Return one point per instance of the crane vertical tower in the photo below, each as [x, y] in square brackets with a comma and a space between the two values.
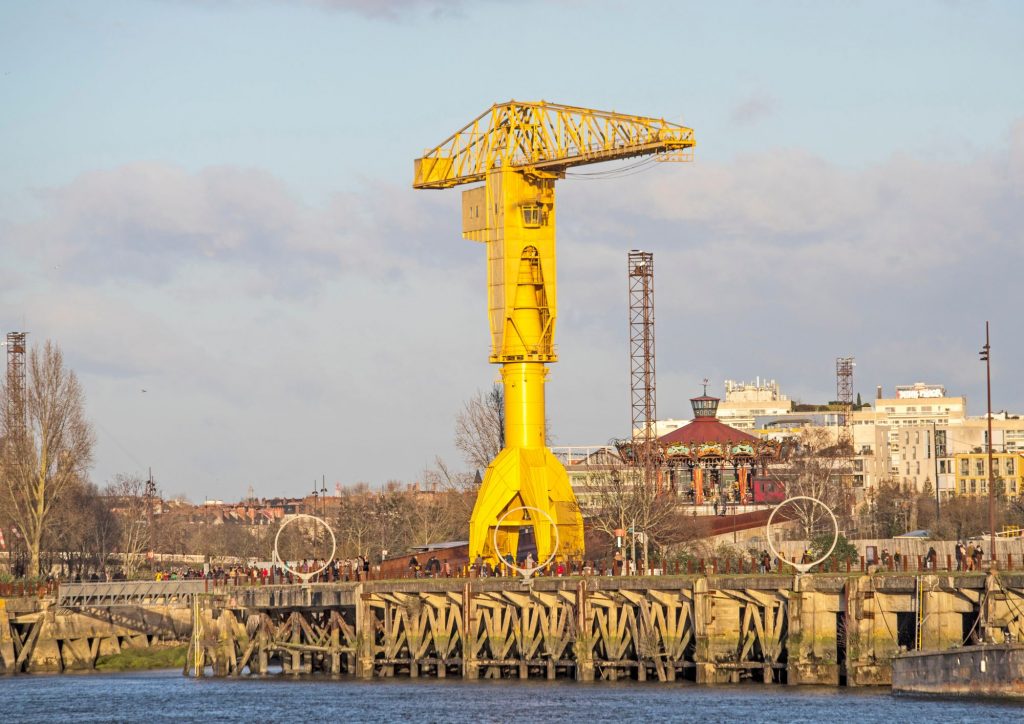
[518, 150]
[844, 392]
[16, 389]
[641, 360]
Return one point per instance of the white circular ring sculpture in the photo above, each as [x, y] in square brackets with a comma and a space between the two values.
[526, 573]
[284, 564]
[802, 567]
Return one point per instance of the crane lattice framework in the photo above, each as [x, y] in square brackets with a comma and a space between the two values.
[16, 389]
[518, 150]
[641, 360]
[844, 391]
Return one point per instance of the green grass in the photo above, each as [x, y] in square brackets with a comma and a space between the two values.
[137, 659]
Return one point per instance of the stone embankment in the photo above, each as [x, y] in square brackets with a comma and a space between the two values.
[712, 629]
[995, 670]
[82, 623]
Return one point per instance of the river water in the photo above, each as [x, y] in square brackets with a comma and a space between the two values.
[167, 695]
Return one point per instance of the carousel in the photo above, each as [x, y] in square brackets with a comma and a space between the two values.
[707, 461]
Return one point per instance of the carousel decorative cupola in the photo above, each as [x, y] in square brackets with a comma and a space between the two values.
[704, 406]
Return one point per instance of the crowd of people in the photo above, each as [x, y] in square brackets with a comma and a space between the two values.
[969, 557]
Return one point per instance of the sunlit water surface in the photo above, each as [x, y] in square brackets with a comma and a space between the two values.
[166, 695]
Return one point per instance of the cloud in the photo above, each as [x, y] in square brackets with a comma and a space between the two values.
[388, 9]
[150, 223]
[753, 109]
[778, 262]
[268, 330]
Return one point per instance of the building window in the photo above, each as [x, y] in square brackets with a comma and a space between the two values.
[965, 466]
[918, 467]
[979, 467]
[974, 486]
[1010, 467]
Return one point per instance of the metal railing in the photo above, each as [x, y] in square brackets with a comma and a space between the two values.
[72, 595]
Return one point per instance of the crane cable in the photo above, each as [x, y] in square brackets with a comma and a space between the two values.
[629, 170]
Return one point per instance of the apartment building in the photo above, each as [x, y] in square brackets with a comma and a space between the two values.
[971, 472]
[745, 401]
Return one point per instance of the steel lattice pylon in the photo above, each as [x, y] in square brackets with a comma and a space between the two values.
[844, 389]
[641, 358]
[16, 381]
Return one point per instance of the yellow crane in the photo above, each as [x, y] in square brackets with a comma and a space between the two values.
[518, 150]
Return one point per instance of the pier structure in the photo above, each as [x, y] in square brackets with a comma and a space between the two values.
[716, 629]
[710, 629]
[82, 622]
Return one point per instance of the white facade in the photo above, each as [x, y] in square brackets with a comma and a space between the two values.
[746, 400]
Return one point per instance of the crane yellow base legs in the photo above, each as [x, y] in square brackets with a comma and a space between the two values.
[525, 475]
[518, 150]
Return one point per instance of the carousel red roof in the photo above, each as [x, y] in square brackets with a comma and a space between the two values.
[706, 430]
[705, 426]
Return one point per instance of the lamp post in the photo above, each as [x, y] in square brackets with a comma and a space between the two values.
[985, 357]
[935, 459]
[316, 495]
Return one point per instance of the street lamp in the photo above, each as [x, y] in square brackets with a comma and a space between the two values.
[985, 355]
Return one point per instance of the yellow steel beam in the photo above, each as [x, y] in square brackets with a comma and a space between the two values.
[518, 150]
[546, 137]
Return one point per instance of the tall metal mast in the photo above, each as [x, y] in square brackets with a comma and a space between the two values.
[16, 386]
[844, 394]
[641, 361]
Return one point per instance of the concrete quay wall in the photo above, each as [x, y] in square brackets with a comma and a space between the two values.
[52, 639]
[984, 670]
[816, 629]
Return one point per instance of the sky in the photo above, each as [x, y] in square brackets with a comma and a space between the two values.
[208, 205]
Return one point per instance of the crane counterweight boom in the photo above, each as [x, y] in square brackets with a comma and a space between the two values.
[547, 137]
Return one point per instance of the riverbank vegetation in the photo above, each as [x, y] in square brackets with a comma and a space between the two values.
[138, 659]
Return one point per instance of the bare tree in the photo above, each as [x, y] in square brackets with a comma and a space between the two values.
[47, 444]
[461, 487]
[480, 427]
[128, 499]
[83, 531]
[435, 517]
[815, 467]
[356, 524]
[614, 496]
